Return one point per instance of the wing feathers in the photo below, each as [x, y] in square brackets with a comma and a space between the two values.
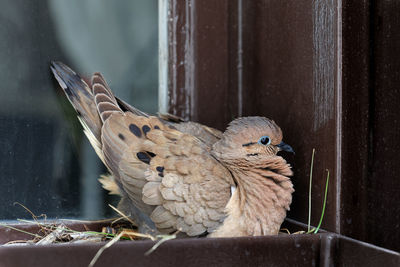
[151, 194]
[162, 176]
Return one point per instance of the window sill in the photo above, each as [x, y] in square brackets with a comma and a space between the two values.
[323, 249]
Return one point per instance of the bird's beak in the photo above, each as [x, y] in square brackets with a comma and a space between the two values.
[285, 147]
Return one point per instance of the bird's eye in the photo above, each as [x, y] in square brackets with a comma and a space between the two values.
[264, 140]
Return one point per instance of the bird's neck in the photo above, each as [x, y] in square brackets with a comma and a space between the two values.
[263, 195]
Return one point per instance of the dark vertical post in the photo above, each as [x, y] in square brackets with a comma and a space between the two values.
[356, 69]
[202, 55]
[383, 185]
[326, 71]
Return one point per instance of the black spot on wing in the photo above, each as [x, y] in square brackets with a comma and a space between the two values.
[151, 154]
[145, 129]
[135, 130]
[254, 154]
[160, 168]
[143, 157]
[121, 136]
[157, 127]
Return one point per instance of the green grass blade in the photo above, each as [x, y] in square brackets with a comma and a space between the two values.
[324, 205]
[309, 191]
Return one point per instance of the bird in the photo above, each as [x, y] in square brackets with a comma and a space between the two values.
[182, 176]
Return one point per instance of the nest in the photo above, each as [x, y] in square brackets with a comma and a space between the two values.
[120, 228]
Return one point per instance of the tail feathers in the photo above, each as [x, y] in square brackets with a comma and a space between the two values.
[104, 98]
[80, 96]
[126, 107]
[109, 184]
[93, 105]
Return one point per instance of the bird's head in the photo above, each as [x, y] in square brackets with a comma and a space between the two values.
[250, 139]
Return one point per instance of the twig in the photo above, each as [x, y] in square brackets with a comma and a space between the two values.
[122, 214]
[283, 230]
[35, 218]
[101, 250]
[17, 242]
[53, 236]
[86, 221]
[19, 230]
[162, 240]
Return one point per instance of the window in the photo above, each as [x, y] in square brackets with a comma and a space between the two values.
[47, 163]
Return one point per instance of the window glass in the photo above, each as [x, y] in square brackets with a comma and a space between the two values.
[46, 163]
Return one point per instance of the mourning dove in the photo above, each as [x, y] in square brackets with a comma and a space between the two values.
[185, 176]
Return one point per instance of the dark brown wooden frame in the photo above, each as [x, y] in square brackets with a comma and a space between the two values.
[326, 71]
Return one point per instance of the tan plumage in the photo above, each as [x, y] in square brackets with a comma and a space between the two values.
[179, 175]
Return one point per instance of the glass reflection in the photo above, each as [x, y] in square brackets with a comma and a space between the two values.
[46, 163]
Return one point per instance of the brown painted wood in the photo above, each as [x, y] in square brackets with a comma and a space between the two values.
[355, 117]
[285, 250]
[327, 72]
[383, 186]
[200, 61]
